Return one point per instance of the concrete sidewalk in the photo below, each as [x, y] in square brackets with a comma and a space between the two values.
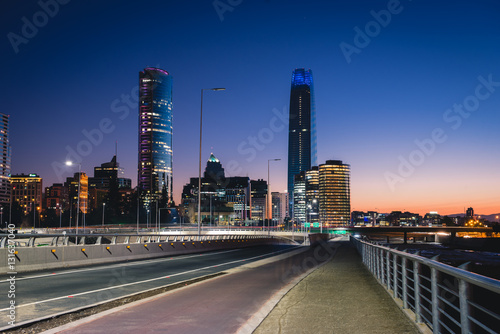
[342, 296]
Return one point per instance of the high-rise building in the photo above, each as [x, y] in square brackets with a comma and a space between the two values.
[280, 207]
[258, 195]
[54, 196]
[299, 198]
[106, 174]
[4, 160]
[312, 194]
[155, 135]
[301, 128]
[27, 192]
[334, 193]
[79, 183]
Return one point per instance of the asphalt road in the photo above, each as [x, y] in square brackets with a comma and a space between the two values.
[232, 303]
[43, 294]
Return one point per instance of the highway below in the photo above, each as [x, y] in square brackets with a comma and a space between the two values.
[42, 294]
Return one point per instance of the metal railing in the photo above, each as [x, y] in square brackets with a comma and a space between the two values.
[40, 240]
[445, 298]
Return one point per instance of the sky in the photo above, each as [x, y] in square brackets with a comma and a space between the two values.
[407, 92]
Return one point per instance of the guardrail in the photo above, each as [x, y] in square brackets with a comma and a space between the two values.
[445, 298]
[30, 240]
[25, 252]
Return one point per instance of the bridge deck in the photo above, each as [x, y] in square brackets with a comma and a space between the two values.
[342, 296]
[339, 297]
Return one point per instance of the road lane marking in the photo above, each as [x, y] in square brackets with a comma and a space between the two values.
[118, 265]
[144, 281]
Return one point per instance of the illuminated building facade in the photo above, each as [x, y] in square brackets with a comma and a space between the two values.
[72, 186]
[27, 192]
[334, 194]
[301, 128]
[4, 160]
[312, 194]
[155, 135]
[299, 198]
[54, 196]
[258, 195]
[280, 207]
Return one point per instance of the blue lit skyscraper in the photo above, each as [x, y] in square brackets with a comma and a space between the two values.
[155, 135]
[301, 128]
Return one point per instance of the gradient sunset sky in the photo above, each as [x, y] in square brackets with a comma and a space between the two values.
[379, 93]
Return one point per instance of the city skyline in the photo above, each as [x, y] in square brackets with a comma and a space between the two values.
[388, 100]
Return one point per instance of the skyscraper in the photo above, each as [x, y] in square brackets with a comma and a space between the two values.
[155, 135]
[5, 189]
[301, 128]
[334, 193]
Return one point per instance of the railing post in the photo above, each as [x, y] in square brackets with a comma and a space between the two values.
[435, 306]
[403, 278]
[388, 269]
[377, 262]
[416, 288]
[463, 293]
[394, 275]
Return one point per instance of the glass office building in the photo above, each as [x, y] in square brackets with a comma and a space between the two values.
[301, 128]
[5, 191]
[155, 135]
[334, 194]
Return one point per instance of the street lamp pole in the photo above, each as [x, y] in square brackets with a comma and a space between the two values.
[269, 214]
[199, 163]
[103, 208]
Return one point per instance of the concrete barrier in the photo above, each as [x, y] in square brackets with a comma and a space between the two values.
[52, 257]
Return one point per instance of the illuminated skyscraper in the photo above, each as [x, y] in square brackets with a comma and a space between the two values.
[301, 128]
[312, 194]
[4, 160]
[334, 193]
[155, 135]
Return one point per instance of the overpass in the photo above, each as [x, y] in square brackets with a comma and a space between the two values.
[424, 289]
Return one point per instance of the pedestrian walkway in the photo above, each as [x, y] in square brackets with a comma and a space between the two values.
[341, 296]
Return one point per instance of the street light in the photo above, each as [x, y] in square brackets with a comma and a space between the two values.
[269, 214]
[70, 163]
[199, 165]
[103, 208]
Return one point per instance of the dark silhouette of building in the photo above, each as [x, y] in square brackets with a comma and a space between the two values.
[108, 173]
[301, 128]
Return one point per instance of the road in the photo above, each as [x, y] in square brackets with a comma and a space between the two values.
[43, 294]
[232, 303]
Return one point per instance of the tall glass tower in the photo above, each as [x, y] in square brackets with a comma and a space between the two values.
[301, 128]
[155, 135]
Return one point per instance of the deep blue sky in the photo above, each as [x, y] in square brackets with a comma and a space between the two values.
[68, 76]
